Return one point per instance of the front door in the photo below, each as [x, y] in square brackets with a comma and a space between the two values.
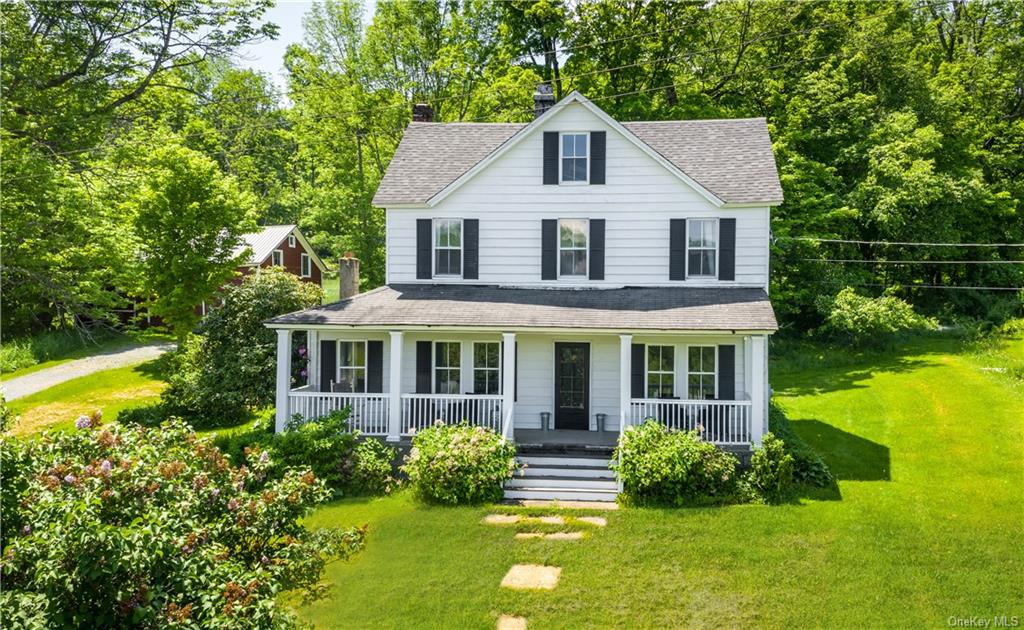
[572, 386]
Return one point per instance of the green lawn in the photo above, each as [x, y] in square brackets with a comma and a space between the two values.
[926, 523]
[56, 348]
[331, 289]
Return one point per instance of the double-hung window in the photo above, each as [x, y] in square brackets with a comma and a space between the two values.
[447, 362]
[701, 248]
[447, 247]
[701, 373]
[575, 152]
[486, 368]
[304, 267]
[291, 240]
[572, 247]
[277, 258]
[661, 371]
[351, 367]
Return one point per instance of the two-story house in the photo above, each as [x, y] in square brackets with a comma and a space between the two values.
[558, 281]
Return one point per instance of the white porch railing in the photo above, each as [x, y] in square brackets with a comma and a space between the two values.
[419, 411]
[369, 411]
[718, 421]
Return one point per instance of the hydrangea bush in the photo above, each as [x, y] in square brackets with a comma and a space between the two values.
[116, 526]
[457, 464]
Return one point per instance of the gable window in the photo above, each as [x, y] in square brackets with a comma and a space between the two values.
[351, 367]
[575, 147]
[572, 247]
[291, 240]
[277, 258]
[304, 267]
[661, 371]
[447, 375]
[487, 368]
[448, 247]
[701, 373]
[701, 248]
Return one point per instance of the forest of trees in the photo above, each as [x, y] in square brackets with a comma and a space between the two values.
[136, 152]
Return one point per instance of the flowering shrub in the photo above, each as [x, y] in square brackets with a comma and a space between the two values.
[770, 477]
[666, 467]
[459, 464]
[7, 417]
[118, 526]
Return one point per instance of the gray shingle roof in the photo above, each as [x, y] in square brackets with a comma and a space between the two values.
[630, 308]
[731, 158]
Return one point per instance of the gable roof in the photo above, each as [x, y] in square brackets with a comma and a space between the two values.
[268, 239]
[728, 161]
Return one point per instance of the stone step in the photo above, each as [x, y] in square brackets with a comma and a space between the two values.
[565, 471]
[559, 494]
[574, 483]
[580, 462]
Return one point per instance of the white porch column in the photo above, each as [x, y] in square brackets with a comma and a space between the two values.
[625, 379]
[313, 360]
[395, 388]
[508, 383]
[757, 389]
[284, 377]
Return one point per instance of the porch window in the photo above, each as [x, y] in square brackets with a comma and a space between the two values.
[447, 247]
[572, 247]
[701, 374]
[277, 258]
[351, 367]
[701, 248]
[447, 373]
[574, 157]
[661, 371]
[304, 269]
[487, 368]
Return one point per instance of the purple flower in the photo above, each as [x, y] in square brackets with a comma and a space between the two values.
[215, 492]
[70, 479]
[26, 530]
[264, 457]
[105, 466]
[302, 373]
[264, 559]
[302, 351]
[83, 422]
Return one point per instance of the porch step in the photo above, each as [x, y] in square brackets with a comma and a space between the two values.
[559, 494]
[566, 462]
[563, 477]
[574, 483]
[534, 470]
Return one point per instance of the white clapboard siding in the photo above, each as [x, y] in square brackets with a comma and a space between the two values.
[637, 202]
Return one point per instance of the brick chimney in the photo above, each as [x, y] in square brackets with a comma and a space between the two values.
[543, 99]
[348, 276]
[421, 112]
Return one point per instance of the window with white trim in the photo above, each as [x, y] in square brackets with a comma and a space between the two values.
[351, 367]
[277, 258]
[572, 247]
[447, 363]
[291, 240]
[701, 376]
[661, 371]
[448, 247]
[305, 270]
[575, 151]
[486, 367]
[702, 248]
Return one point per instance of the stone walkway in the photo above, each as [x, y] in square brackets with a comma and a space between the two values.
[44, 379]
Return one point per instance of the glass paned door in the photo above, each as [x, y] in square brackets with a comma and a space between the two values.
[572, 386]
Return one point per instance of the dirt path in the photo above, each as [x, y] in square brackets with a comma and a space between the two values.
[43, 379]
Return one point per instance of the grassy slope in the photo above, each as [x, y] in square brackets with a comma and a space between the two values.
[73, 349]
[925, 523]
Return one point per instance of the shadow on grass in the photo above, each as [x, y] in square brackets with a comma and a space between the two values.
[830, 379]
[849, 457]
[159, 368]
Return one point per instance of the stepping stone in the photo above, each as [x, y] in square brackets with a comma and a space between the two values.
[501, 519]
[551, 520]
[524, 535]
[532, 576]
[508, 622]
[600, 521]
[564, 536]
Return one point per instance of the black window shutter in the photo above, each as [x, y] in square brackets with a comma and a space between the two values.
[597, 142]
[549, 249]
[424, 236]
[636, 363]
[375, 367]
[550, 157]
[597, 249]
[471, 249]
[423, 380]
[677, 249]
[727, 372]
[328, 364]
[727, 249]
[515, 390]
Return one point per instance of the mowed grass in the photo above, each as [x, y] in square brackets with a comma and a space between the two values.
[925, 523]
[109, 391]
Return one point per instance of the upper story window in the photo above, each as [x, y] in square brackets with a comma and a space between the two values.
[447, 247]
[575, 153]
[447, 373]
[487, 368]
[291, 240]
[661, 371]
[351, 367]
[702, 248]
[277, 258]
[572, 247]
[701, 373]
[305, 269]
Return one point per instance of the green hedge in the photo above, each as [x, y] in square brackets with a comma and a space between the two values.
[457, 464]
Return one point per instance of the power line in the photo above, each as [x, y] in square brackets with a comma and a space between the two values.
[900, 243]
[913, 262]
[929, 286]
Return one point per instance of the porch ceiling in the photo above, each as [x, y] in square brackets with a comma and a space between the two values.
[630, 308]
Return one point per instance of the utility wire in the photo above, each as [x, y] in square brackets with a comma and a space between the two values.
[914, 262]
[928, 286]
[900, 243]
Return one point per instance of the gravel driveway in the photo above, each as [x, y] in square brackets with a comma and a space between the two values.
[43, 379]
